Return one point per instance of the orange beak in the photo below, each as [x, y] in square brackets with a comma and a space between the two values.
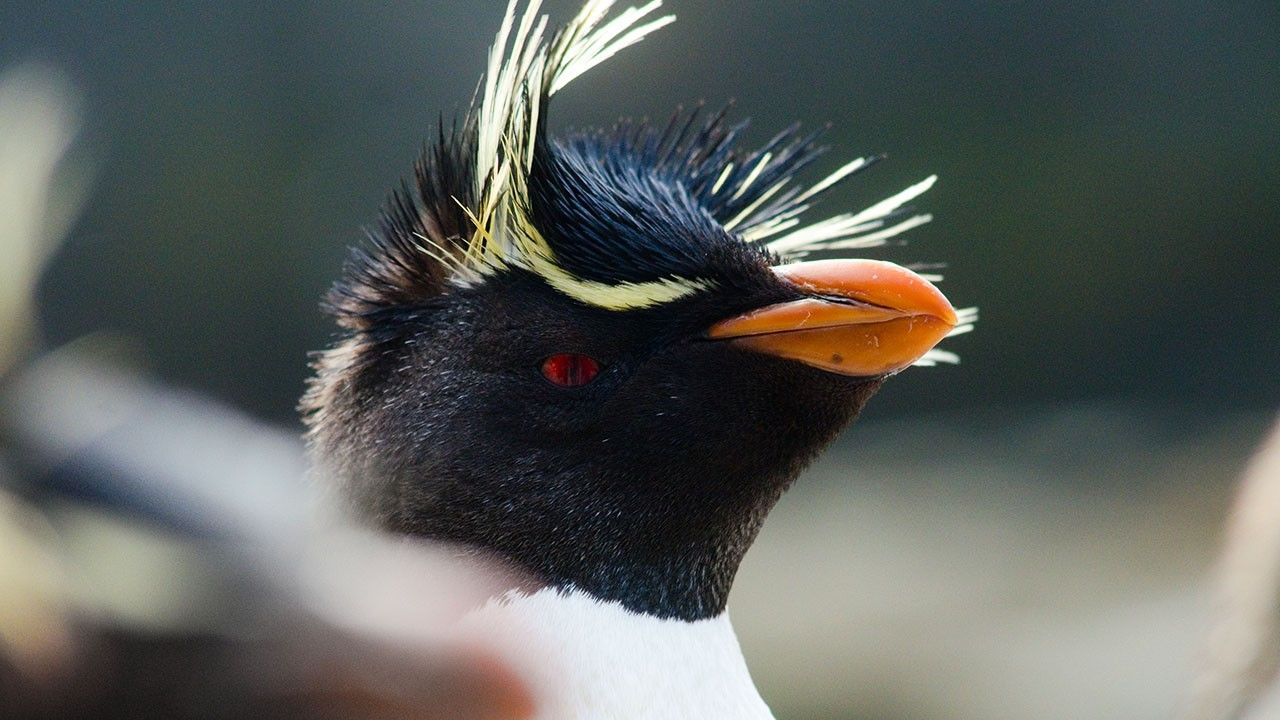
[862, 318]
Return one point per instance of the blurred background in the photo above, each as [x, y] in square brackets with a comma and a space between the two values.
[1027, 535]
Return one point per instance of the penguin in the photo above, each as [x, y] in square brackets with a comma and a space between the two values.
[601, 358]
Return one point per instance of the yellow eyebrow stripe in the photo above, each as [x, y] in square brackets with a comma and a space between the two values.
[617, 296]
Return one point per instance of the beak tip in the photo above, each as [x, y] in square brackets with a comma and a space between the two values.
[895, 318]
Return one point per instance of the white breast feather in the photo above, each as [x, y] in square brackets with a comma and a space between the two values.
[591, 659]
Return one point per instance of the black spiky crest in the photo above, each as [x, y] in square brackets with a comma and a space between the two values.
[484, 198]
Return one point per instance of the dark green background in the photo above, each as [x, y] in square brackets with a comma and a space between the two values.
[1109, 194]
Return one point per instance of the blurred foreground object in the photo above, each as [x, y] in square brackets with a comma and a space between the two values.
[38, 196]
[165, 564]
[1241, 673]
[160, 556]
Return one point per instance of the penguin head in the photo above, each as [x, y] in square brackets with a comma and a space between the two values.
[599, 356]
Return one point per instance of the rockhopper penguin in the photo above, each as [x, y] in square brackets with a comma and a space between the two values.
[600, 358]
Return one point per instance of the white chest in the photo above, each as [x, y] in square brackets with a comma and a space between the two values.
[591, 659]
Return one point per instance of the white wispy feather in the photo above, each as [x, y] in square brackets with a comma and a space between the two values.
[966, 318]
[852, 230]
[523, 71]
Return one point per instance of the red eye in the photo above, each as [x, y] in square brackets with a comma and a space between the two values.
[570, 369]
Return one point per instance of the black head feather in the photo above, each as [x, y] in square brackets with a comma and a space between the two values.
[406, 260]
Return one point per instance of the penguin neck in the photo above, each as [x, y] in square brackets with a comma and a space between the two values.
[590, 658]
[658, 547]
